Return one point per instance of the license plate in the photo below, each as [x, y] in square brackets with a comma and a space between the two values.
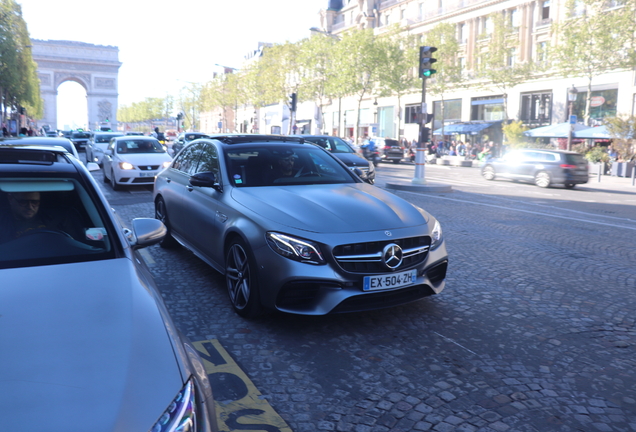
[148, 174]
[388, 281]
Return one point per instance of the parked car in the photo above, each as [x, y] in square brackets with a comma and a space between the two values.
[391, 150]
[542, 167]
[80, 139]
[133, 160]
[183, 139]
[345, 153]
[87, 341]
[97, 145]
[294, 230]
[65, 143]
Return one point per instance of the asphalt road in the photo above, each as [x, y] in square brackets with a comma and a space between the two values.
[535, 330]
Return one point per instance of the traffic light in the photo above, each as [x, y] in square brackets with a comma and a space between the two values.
[426, 118]
[293, 101]
[425, 135]
[426, 61]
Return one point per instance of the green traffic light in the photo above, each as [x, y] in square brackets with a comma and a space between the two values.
[429, 72]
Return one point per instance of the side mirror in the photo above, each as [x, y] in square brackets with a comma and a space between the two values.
[205, 179]
[362, 175]
[146, 232]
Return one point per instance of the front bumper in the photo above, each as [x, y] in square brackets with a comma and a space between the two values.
[306, 289]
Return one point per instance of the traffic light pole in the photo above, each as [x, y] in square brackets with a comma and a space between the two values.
[420, 153]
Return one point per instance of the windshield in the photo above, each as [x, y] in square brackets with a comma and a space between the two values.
[333, 144]
[81, 135]
[139, 146]
[100, 138]
[284, 165]
[50, 221]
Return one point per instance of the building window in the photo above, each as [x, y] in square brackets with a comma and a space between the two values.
[542, 53]
[514, 19]
[461, 33]
[487, 108]
[602, 104]
[487, 26]
[452, 112]
[578, 8]
[462, 65]
[411, 112]
[512, 57]
[536, 108]
[545, 10]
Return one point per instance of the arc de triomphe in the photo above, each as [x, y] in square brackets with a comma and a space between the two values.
[94, 67]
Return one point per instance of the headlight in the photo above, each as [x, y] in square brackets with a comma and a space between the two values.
[436, 235]
[166, 164]
[295, 249]
[126, 165]
[181, 414]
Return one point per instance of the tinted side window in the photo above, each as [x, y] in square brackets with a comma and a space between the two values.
[209, 160]
[188, 159]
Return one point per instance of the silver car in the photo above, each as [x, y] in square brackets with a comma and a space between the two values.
[87, 343]
[294, 230]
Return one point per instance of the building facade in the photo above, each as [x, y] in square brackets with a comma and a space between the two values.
[538, 102]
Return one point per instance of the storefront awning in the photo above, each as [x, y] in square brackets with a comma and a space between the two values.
[463, 128]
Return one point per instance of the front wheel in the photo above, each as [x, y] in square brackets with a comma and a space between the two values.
[162, 215]
[542, 179]
[240, 278]
[488, 172]
[113, 182]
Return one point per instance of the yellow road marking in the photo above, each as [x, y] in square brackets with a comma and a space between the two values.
[239, 405]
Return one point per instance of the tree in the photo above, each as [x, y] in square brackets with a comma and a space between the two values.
[513, 132]
[622, 129]
[449, 73]
[317, 56]
[19, 83]
[396, 75]
[360, 66]
[498, 64]
[593, 40]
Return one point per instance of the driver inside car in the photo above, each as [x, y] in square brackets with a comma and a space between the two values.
[25, 217]
[283, 165]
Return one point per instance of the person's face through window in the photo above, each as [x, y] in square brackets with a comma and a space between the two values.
[286, 165]
[25, 205]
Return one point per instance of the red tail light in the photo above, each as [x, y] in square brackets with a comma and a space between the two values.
[566, 166]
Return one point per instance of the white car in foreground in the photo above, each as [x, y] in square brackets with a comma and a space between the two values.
[134, 160]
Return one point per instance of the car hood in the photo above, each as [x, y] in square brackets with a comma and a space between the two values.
[351, 159]
[83, 350]
[339, 208]
[145, 158]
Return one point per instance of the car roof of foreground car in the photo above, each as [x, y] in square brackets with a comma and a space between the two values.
[36, 158]
[45, 142]
[255, 138]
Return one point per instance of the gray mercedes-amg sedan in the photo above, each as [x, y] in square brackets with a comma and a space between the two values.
[293, 229]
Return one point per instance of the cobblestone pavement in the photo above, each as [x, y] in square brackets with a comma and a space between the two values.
[535, 330]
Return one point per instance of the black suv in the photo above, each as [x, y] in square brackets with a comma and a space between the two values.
[80, 139]
[543, 167]
[345, 153]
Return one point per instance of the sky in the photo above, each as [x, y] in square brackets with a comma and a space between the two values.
[163, 44]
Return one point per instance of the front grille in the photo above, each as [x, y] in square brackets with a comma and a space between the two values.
[148, 167]
[384, 299]
[367, 257]
[144, 180]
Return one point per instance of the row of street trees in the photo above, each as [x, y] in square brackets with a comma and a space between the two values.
[19, 83]
[598, 36]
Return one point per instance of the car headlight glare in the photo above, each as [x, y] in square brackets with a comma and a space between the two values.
[166, 164]
[126, 165]
[295, 249]
[180, 416]
[436, 235]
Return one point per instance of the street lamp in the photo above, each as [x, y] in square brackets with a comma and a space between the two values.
[572, 92]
